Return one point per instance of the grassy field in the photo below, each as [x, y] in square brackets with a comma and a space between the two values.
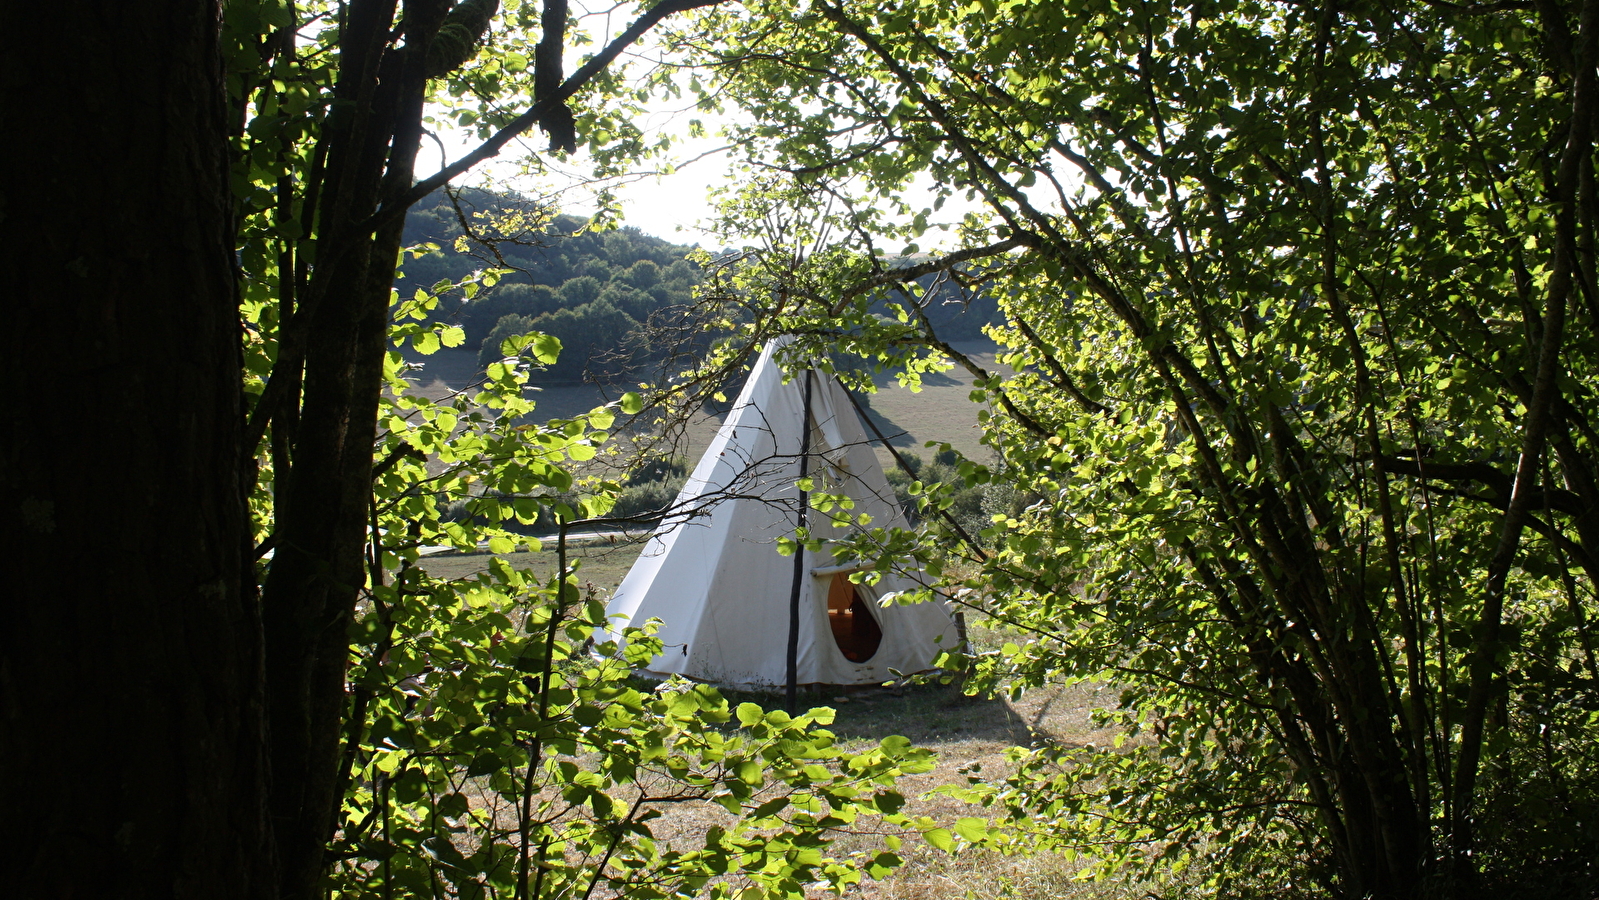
[599, 564]
[941, 411]
[965, 733]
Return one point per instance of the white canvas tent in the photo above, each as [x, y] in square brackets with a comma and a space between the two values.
[721, 589]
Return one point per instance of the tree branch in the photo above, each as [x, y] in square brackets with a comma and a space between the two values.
[538, 112]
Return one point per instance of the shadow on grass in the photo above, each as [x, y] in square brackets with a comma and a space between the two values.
[889, 380]
[926, 714]
[896, 434]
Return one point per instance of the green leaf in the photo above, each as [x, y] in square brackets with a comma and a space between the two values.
[972, 829]
[546, 348]
[883, 865]
[749, 772]
[770, 808]
[750, 714]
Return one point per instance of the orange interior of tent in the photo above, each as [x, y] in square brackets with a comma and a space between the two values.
[855, 630]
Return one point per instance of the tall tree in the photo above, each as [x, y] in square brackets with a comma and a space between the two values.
[130, 660]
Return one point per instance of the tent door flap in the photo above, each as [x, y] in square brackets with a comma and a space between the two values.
[855, 629]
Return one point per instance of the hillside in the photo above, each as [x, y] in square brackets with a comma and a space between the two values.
[596, 291]
[601, 293]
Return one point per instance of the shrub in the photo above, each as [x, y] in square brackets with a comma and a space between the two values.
[648, 497]
[658, 468]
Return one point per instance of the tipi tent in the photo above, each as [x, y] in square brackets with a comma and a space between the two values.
[723, 592]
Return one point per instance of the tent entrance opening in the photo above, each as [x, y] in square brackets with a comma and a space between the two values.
[855, 630]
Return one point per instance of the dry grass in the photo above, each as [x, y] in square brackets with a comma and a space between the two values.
[965, 732]
[941, 411]
[601, 564]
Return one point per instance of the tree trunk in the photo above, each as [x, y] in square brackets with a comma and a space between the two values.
[130, 658]
[316, 577]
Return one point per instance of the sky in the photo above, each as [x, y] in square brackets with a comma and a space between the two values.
[676, 207]
[671, 207]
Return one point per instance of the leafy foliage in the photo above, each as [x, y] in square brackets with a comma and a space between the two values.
[595, 338]
[973, 506]
[485, 760]
[1299, 315]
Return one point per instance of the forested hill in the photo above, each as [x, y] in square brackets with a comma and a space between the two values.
[597, 292]
[594, 291]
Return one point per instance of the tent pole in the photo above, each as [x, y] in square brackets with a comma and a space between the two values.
[799, 557]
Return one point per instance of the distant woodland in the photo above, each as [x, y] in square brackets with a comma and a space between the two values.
[609, 296]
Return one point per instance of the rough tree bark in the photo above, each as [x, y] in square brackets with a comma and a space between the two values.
[130, 659]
